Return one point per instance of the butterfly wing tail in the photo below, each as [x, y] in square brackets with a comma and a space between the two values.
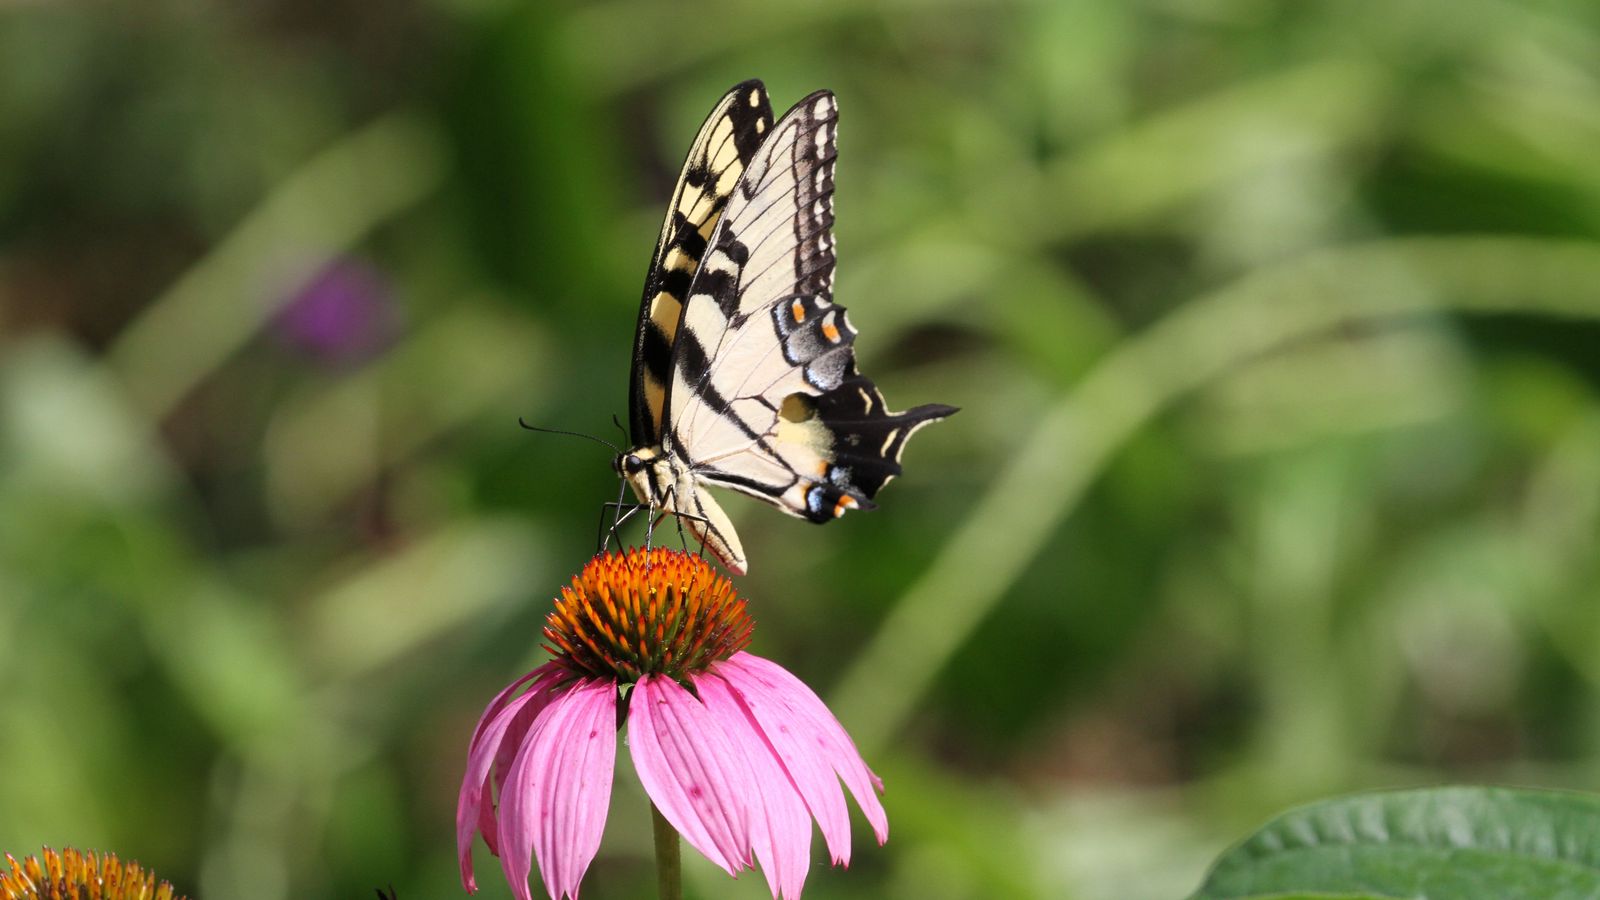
[868, 437]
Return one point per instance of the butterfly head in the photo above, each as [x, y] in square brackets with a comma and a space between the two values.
[628, 464]
[641, 467]
[649, 471]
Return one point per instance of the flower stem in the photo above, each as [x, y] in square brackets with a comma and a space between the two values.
[669, 865]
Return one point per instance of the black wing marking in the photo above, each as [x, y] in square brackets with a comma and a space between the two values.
[727, 141]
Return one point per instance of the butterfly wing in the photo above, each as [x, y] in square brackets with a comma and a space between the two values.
[725, 145]
[765, 397]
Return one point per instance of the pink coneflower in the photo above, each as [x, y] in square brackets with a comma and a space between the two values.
[736, 754]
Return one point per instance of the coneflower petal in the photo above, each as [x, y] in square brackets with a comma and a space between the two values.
[689, 769]
[806, 756]
[821, 730]
[545, 680]
[780, 829]
[576, 789]
[558, 789]
[501, 699]
[474, 805]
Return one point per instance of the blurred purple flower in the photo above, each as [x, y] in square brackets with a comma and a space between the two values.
[344, 314]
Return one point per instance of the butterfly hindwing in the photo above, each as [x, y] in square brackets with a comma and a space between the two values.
[722, 149]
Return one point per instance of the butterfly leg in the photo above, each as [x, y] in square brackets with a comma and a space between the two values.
[679, 517]
[655, 517]
[617, 518]
[621, 513]
[602, 536]
[678, 521]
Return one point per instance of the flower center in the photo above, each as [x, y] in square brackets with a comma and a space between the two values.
[73, 873]
[655, 612]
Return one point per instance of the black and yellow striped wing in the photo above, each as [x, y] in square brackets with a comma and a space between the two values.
[728, 140]
[764, 395]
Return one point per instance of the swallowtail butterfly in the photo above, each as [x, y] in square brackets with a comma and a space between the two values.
[743, 372]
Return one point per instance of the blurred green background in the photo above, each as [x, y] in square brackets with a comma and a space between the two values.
[1276, 326]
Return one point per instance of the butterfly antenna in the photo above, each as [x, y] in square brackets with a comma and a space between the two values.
[597, 440]
[618, 422]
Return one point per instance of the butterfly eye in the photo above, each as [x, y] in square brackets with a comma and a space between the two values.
[632, 464]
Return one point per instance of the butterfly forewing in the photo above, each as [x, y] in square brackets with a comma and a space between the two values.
[727, 141]
[744, 370]
[775, 234]
[764, 396]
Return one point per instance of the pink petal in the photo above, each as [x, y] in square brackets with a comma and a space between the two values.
[520, 721]
[474, 805]
[546, 680]
[512, 742]
[796, 749]
[579, 794]
[814, 729]
[516, 856]
[500, 699]
[558, 790]
[780, 829]
[690, 770]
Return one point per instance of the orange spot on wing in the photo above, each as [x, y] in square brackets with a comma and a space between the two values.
[798, 310]
[845, 502]
[831, 332]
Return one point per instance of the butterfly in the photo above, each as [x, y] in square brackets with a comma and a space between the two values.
[744, 376]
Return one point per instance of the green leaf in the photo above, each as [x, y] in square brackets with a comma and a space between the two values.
[1435, 843]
